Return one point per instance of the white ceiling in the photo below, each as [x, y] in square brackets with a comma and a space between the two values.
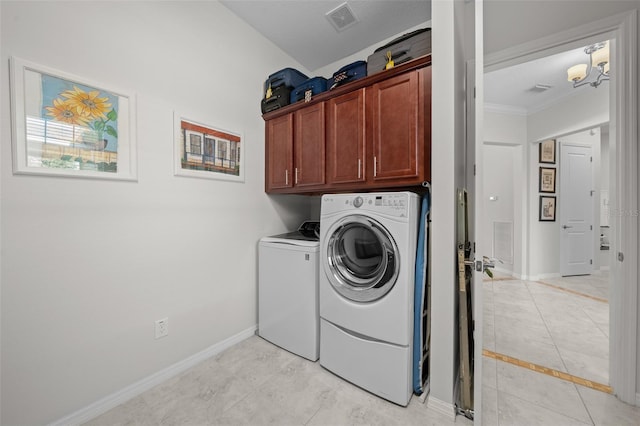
[512, 88]
[300, 28]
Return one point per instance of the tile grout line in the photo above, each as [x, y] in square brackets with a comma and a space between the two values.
[500, 279]
[588, 296]
[548, 371]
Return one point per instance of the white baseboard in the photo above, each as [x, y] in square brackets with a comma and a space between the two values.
[442, 407]
[111, 401]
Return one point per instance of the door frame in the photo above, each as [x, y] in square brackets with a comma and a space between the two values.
[624, 177]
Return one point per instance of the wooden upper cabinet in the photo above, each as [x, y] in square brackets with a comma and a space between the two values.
[279, 153]
[371, 134]
[394, 124]
[309, 146]
[346, 138]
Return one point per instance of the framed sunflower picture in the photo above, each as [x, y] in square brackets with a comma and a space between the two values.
[63, 125]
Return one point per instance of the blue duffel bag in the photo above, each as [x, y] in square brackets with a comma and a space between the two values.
[347, 74]
[289, 77]
[315, 85]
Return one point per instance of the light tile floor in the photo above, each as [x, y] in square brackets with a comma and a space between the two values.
[566, 330]
[257, 383]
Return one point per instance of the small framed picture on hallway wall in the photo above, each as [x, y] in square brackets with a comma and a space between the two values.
[548, 151]
[547, 208]
[547, 179]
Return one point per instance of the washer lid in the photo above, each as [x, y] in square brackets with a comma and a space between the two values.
[294, 238]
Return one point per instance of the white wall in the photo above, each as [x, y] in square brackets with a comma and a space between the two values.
[509, 131]
[587, 110]
[88, 266]
[447, 174]
[540, 240]
[590, 107]
[500, 196]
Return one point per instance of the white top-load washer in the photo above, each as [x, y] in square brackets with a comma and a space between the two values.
[288, 290]
[367, 257]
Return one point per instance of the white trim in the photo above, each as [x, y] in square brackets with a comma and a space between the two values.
[624, 180]
[120, 397]
[441, 407]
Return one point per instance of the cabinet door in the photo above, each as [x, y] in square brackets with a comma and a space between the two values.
[394, 122]
[279, 153]
[346, 138]
[309, 146]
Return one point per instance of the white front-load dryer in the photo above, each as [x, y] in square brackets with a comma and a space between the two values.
[367, 269]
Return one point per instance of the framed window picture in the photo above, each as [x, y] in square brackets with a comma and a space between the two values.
[547, 179]
[206, 151]
[65, 125]
[547, 208]
[548, 151]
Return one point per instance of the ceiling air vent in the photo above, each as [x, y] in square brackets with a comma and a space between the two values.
[541, 87]
[342, 17]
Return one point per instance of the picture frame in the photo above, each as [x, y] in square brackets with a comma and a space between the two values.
[547, 152]
[547, 179]
[65, 125]
[206, 151]
[547, 208]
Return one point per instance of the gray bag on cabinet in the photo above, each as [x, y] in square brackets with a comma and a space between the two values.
[402, 49]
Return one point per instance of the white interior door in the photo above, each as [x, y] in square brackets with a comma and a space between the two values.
[576, 210]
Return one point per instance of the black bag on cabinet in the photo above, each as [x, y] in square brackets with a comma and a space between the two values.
[278, 98]
[277, 88]
[402, 49]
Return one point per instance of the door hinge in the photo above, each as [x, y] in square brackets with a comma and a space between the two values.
[474, 169]
[590, 261]
[591, 227]
[591, 159]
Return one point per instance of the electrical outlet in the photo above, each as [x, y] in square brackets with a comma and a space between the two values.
[162, 327]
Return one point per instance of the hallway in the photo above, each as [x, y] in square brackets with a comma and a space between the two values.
[546, 353]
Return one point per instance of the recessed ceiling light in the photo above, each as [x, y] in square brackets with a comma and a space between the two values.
[342, 17]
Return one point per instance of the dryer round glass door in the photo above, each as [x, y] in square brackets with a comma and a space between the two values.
[362, 261]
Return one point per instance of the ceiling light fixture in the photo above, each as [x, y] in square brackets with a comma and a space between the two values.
[598, 60]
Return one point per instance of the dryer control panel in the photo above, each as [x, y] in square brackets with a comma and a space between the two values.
[388, 203]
